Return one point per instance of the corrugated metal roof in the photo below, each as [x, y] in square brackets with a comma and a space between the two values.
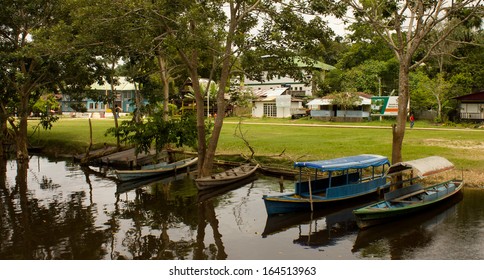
[365, 99]
[269, 94]
[123, 84]
[313, 63]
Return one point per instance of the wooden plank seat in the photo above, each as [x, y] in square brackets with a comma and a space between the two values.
[398, 193]
[399, 199]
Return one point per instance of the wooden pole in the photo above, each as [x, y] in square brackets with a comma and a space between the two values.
[310, 194]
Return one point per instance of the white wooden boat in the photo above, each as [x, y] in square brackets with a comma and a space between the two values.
[226, 177]
[127, 175]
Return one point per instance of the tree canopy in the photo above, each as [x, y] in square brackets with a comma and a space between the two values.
[63, 46]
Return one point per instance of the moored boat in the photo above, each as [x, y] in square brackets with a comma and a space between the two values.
[344, 180]
[411, 196]
[127, 175]
[226, 177]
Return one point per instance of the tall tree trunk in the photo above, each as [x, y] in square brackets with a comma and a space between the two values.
[137, 101]
[3, 133]
[221, 105]
[166, 90]
[21, 132]
[115, 113]
[201, 135]
[399, 127]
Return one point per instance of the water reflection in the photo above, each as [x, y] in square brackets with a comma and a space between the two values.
[152, 212]
[321, 228]
[163, 205]
[393, 240]
[58, 229]
[58, 210]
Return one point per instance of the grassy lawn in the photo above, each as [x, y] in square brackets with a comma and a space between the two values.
[71, 136]
[299, 140]
[462, 146]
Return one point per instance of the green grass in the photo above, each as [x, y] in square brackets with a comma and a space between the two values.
[295, 141]
[71, 136]
[463, 147]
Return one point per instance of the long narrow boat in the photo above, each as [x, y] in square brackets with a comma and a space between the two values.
[411, 197]
[127, 175]
[344, 180]
[227, 177]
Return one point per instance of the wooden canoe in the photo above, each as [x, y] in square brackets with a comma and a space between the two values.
[405, 205]
[127, 175]
[226, 177]
[412, 196]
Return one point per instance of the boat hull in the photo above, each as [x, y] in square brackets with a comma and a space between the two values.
[385, 211]
[292, 203]
[129, 175]
[226, 178]
[344, 180]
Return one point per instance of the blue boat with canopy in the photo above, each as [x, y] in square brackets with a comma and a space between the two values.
[334, 181]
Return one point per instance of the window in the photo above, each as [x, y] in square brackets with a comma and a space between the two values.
[270, 110]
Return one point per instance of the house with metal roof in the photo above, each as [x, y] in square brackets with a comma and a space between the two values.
[276, 103]
[295, 88]
[325, 109]
[472, 106]
[124, 99]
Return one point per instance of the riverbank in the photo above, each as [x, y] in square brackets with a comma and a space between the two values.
[281, 142]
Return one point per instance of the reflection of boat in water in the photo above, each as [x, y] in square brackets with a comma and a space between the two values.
[280, 223]
[204, 195]
[322, 227]
[406, 232]
[131, 185]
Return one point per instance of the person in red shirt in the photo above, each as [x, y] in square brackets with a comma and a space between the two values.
[412, 120]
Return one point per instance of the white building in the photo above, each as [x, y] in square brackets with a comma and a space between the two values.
[323, 108]
[295, 88]
[276, 103]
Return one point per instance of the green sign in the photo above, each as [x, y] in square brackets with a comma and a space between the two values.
[384, 105]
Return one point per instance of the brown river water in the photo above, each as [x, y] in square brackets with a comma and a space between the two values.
[57, 210]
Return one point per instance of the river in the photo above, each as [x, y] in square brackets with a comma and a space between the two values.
[54, 209]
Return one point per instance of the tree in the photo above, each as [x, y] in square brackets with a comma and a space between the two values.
[404, 25]
[38, 55]
[202, 33]
[27, 64]
[346, 100]
[440, 88]
[421, 94]
[429, 93]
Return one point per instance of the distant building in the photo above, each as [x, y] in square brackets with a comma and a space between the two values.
[472, 106]
[323, 108]
[276, 103]
[294, 87]
[125, 94]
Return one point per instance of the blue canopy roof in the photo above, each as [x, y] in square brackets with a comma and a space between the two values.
[344, 163]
